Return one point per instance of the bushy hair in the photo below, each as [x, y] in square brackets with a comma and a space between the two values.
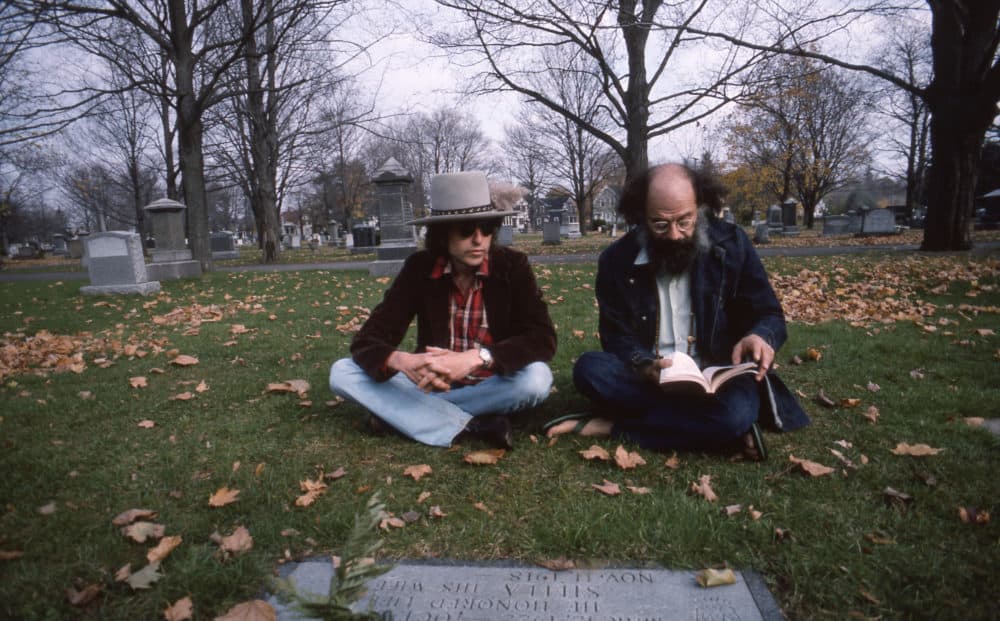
[436, 238]
[708, 192]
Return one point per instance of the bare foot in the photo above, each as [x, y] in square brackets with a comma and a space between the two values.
[595, 427]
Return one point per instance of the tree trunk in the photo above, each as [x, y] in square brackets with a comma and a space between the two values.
[168, 137]
[636, 98]
[951, 181]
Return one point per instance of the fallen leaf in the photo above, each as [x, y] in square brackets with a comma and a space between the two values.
[127, 517]
[638, 490]
[146, 424]
[608, 488]
[259, 470]
[917, 374]
[596, 452]
[163, 549]
[411, 516]
[85, 395]
[238, 328]
[256, 610]
[810, 467]
[239, 541]
[181, 610]
[422, 497]
[823, 400]
[873, 387]
[971, 515]
[11, 555]
[184, 360]
[557, 564]
[83, 597]
[850, 402]
[715, 577]
[627, 460]
[814, 354]
[704, 488]
[417, 472]
[123, 573]
[394, 522]
[916, 450]
[868, 596]
[482, 507]
[974, 421]
[486, 457]
[141, 531]
[47, 509]
[732, 509]
[336, 474]
[145, 577]
[183, 396]
[985, 332]
[436, 512]
[871, 414]
[223, 496]
[138, 381]
[673, 462]
[201, 387]
[880, 539]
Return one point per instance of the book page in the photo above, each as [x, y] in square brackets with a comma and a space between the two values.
[717, 376]
[683, 368]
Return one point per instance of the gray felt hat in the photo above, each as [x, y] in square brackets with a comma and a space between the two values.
[460, 196]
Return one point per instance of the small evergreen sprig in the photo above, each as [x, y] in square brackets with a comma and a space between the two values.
[356, 567]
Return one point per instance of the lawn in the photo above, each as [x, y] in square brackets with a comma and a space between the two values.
[903, 348]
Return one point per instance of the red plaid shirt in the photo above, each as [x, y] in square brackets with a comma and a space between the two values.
[470, 329]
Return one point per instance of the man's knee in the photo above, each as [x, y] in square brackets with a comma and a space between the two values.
[592, 366]
[535, 382]
[340, 374]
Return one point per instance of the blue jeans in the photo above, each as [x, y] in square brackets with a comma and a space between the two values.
[659, 420]
[435, 418]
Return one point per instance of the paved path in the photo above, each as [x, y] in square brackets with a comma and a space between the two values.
[981, 248]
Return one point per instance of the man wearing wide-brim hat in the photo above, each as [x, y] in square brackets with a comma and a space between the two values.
[484, 335]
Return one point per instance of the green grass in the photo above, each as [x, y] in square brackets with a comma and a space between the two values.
[90, 458]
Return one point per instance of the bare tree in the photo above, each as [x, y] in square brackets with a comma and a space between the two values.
[527, 162]
[641, 92]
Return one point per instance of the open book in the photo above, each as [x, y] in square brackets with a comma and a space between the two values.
[684, 371]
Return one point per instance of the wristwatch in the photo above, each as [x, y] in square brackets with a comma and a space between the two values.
[486, 357]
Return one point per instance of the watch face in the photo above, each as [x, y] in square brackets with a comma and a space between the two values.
[485, 355]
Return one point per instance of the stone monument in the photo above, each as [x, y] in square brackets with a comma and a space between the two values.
[789, 221]
[552, 226]
[170, 259]
[878, 221]
[223, 245]
[116, 265]
[398, 240]
[774, 218]
[835, 225]
[854, 220]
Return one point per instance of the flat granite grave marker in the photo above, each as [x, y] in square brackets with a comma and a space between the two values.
[499, 592]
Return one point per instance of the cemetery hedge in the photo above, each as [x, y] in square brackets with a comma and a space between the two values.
[912, 336]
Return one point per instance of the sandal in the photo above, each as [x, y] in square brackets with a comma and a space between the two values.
[581, 419]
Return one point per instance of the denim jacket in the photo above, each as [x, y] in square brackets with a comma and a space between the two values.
[731, 297]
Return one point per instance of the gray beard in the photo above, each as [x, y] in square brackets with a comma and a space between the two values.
[675, 257]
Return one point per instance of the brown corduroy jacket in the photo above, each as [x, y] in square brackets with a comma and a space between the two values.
[519, 319]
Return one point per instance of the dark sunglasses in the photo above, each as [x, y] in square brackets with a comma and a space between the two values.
[486, 227]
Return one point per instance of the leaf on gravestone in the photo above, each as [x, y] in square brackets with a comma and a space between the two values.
[146, 424]
[223, 496]
[181, 610]
[256, 610]
[871, 414]
[482, 507]
[915, 450]
[84, 596]
[715, 577]
[417, 471]
[638, 490]
[127, 517]
[703, 487]
[850, 402]
[608, 488]
[810, 467]
[183, 360]
[971, 515]
[673, 462]
[626, 459]
[239, 541]
[138, 381]
[557, 564]
[486, 457]
[436, 512]
[596, 452]
[145, 577]
[139, 532]
[163, 549]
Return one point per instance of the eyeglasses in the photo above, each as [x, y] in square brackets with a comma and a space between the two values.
[486, 227]
[684, 224]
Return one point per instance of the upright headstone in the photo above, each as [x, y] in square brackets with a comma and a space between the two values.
[170, 259]
[116, 265]
[552, 227]
[789, 220]
[762, 233]
[398, 239]
[774, 218]
[505, 236]
[223, 245]
[879, 221]
[59, 246]
[835, 225]
[854, 220]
